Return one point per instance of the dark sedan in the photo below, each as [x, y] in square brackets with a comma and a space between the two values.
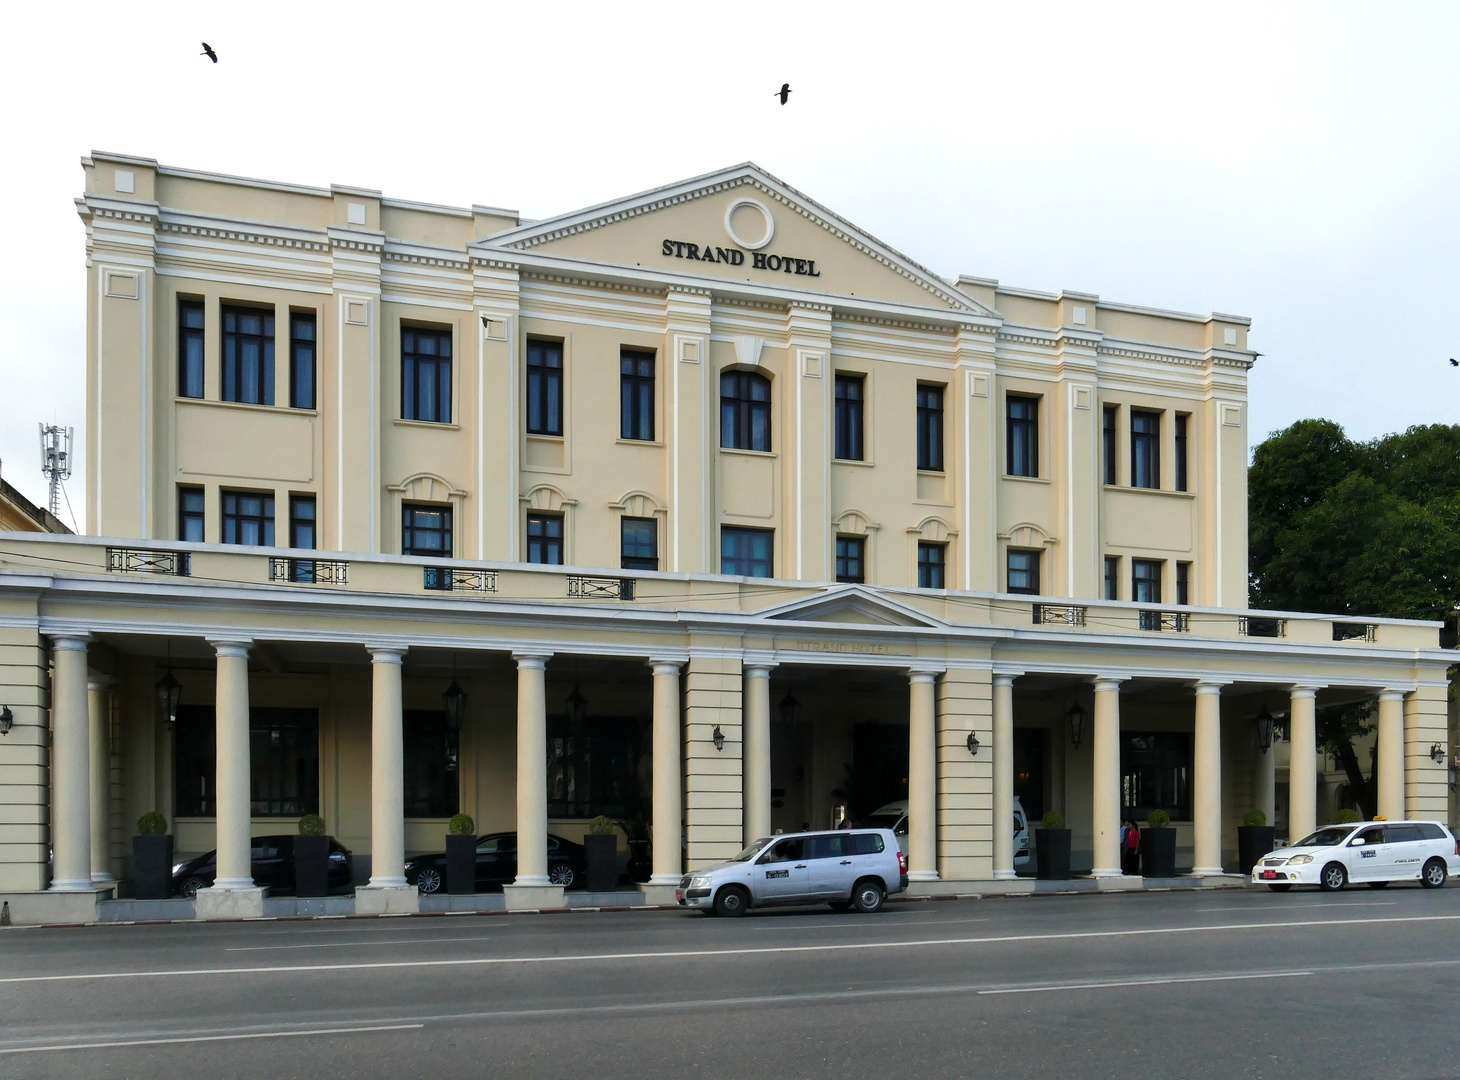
[273, 867]
[497, 864]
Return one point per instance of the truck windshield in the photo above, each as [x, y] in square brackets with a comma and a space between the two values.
[752, 851]
[1324, 838]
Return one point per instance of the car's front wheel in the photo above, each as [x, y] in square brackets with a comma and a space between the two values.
[1333, 878]
[1276, 887]
[191, 886]
[868, 896]
[562, 874]
[731, 901]
[1434, 874]
[428, 880]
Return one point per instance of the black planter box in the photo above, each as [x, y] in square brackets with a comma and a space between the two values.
[601, 855]
[1052, 847]
[461, 864]
[1253, 842]
[641, 864]
[1158, 853]
[311, 865]
[152, 867]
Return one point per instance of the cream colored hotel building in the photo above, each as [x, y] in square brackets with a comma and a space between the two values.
[708, 500]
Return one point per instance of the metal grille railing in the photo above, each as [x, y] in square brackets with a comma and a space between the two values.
[1354, 631]
[149, 561]
[1256, 626]
[594, 588]
[447, 579]
[1178, 622]
[308, 571]
[1059, 615]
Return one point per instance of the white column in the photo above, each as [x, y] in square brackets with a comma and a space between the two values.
[531, 768]
[757, 740]
[668, 781]
[1391, 755]
[922, 778]
[1206, 781]
[232, 781]
[98, 704]
[70, 766]
[387, 771]
[1302, 762]
[1105, 809]
[1003, 776]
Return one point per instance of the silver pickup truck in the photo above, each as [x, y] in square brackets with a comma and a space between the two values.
[848, 869]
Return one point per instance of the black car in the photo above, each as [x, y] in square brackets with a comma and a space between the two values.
[272, 866]
[497, 864]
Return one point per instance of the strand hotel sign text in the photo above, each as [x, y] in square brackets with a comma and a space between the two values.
[748, 222]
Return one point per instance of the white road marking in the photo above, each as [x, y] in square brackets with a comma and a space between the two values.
[347, 944]
[1319, 904]
[683, 954]
[50, 1047]
[850, 925]
[1052, 987]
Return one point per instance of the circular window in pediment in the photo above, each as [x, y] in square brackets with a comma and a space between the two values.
[749, 223]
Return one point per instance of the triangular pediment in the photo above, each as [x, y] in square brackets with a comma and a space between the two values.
[740, 225]
[851, 604]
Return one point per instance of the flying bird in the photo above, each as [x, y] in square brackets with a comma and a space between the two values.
[784, 93]
[209, 53]
[1454, 362]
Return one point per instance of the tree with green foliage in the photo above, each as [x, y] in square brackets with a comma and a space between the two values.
[1355, 529]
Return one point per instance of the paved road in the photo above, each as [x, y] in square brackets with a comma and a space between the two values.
[1189, 985]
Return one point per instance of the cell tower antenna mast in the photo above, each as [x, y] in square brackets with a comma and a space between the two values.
[56, 460]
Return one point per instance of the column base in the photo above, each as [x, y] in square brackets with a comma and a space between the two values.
[1205, 871]
[103, 881]
[664, 879]
[657, 894]
[533, 897]
[71, 885]
[922, 875]
[51, 906]
[245, 903]
[1004, 875]
[1107, 872]
[387, 900]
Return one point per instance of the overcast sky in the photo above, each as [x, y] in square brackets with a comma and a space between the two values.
[1294, 163]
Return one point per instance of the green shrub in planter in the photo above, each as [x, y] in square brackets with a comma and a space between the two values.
[311, 825]
[1348, 817]
[462, 825]
[461, 855]
[1158, 819]
[1254, 818]
[1158, 846]
[600, 854]
[311, 857]
[1255, 838]
[152, 858]
[602, 825]
[1054, 820]
[151, 824]
[1052, 848]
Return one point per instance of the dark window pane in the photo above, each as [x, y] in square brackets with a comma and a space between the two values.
[1183, 583]
[746, 552]
[426, 375]
[1145, 449]
[636, 394]
[545, 387]
[248, 518]
[593, 767]
[190, 348]
[849, 552]
[1155, 774]
[1112, 577]
[1023, 571]
[301, 360]
[745, 411]
[849, 417]
[431, 765]
[930, 565]
[1110, 437]
[190, 514]
[301, 521]
[640, 544]
[1181, 422]
[248, 355]
[1022, 436]
[425, 530]
[1145, 581]
[283, 762]
[930, 428]
[545, 539]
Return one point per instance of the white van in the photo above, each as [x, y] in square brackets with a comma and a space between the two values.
[894, 816]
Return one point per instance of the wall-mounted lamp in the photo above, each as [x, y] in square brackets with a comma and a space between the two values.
[169, 695]
[1264, 729]
[718, 738]
[973, 744]
[789, 708]
[7, 719]
[577, 707]
[1076, 715]
[454, 698]
[1437, 754]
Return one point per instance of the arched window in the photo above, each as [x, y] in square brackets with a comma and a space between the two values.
[745, 411]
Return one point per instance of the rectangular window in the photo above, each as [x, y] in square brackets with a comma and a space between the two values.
[930, 428]
[301, 521]
[849, 417]
[746, 552]
[1111, 436]
[425, 366]
[1023, 436]
[745, 411]
[301, 359]
[1182, 419]
[931, 559]
[1145, 581]
[1112, 577]
[1145, 449]
[425, 530]
[283, 762]
[190, 348]
[1183, 583]
[1023, 571]
[545, 539]
[849, 558]
[248, 355]
[1155, 774]
[248, 518]
[636, 395]
[190, 514]
[544, 387]
[430, 752]
[640, 544]
[593, 768]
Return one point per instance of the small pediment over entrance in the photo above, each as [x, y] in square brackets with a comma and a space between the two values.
[851, 604]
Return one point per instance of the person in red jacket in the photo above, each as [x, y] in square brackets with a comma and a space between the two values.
[1130, 849]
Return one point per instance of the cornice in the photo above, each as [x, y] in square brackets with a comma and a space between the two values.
[419, 259]
[241, 236]
[614, 286]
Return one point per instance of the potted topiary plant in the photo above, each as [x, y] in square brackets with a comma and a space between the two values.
[1348, 817]
[152, 858]
[1255, 838]
[311, 857]
[1052, 846]
[600, 852]
[1158, 846]
[461, 855]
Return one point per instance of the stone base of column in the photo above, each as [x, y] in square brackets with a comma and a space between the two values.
[656, 894]
[1107, 871]
[1205, 871]
[387, 900]
[231, 903]
[533, 897]
[103, 881]
[52, 906]
[922, 875]
[1004, 875]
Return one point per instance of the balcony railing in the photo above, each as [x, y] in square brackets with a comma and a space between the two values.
[449, 579]
[1256, 626]
[1355, 631]
[149, 561]
[308, 571]
[1178, 622]
[594, 588]
[1059, 615]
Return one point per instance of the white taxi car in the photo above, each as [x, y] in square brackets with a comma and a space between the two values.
[1370, 852]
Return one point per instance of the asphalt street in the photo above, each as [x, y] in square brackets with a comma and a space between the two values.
[1183, 984]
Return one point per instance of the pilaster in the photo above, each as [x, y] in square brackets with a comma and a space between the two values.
[1426, 784]
[966, 781]
[713, 785]
[499, 388]
[807, 443]
[353, 399]
[692, 390]
[1074, 412]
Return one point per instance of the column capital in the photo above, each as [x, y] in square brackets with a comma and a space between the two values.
[1109, 682]
[69, 642]
[666, 665]
[531, 661]
[922, 674]
[231, 647]
[1211, 686]
[1392, 693]
[1006, 678]
[1303, 690]
[386, 654]
[100, 682]
[758, 670]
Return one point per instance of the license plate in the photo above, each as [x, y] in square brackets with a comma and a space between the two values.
[1269, 873]
[678, 896]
